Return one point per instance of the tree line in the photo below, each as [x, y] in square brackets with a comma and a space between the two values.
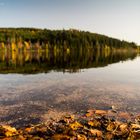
[32, 38]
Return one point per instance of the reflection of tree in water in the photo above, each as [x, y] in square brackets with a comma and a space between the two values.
[61, 60]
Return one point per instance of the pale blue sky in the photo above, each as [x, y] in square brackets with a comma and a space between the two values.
[116, 18]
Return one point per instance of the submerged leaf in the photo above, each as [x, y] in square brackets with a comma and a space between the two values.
[81, 137]
[29, 129]
[96, 132]
[123, 127]
[8, 134]
[135, 126]
[94, 123]
[100, 112]
[75, 125]
[60, 137]
[90, 113]
[111, 127]
[9, 128]
[109, 136]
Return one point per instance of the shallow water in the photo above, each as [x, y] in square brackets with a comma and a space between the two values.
[31, 98]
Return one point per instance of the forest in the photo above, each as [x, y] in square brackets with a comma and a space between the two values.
[64, 40]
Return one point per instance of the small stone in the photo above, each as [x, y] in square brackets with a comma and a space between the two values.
[113, 107]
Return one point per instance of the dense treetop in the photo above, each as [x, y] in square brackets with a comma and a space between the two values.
[71, 38]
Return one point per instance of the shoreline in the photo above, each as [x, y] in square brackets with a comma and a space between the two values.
[93, 124]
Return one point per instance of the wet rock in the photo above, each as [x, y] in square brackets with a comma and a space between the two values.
[114, 109]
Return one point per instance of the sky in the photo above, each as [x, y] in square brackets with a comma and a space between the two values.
[115, 18]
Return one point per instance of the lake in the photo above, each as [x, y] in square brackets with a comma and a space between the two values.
[35, 86]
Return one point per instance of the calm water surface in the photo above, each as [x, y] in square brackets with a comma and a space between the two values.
[33, 97]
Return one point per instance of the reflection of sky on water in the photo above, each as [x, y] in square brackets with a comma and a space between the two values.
[123, 72]
[33, 95]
